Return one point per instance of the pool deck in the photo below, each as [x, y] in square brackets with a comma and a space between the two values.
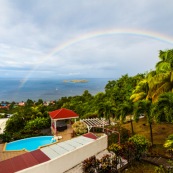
[4, 155]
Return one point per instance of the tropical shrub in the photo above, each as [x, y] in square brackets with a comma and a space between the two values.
[115, 148]
[141, 144]
[118, 151]
[129, 150]
[15, 123]
[3, 115]
[37, 124]
[114, 137]
[169, 144]
[79, 128]
[90, 164]
[5, 137]
[106, 164]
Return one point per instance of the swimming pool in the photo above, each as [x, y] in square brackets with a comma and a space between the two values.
[29, 144]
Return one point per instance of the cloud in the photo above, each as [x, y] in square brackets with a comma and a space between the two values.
[29, 32]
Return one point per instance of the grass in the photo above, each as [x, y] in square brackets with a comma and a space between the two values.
[160, 132]
[140, 167]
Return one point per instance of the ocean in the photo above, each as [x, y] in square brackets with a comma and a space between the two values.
[47, 89]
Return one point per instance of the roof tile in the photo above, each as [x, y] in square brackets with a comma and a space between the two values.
[90, 135]
[40, 156]
[63, 114]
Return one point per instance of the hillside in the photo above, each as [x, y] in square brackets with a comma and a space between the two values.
[160, 131]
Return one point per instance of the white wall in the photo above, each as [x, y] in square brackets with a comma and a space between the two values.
[71, 159]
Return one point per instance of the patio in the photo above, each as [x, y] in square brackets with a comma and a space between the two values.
[4, 155]
[66, 135]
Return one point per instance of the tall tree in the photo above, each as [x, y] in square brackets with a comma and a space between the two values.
[142, 90]
[106, 110]
[163, 108]
[163, 80]
[145, 107]
[119, 91]
[157, 81]
[126, 109]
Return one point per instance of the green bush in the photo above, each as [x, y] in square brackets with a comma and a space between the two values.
[141, 144]
[6, 137]
[115, 148]
[37, 124]
[114, 137]
[79, 128]
[169, 142]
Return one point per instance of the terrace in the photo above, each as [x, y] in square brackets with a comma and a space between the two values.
[52, 157]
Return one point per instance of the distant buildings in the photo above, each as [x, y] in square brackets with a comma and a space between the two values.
[21, 104]
[4, 106]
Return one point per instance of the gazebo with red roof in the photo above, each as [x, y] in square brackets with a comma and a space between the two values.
[61, 114]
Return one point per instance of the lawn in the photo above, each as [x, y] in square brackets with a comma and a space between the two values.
[140, 167]
[160, 132]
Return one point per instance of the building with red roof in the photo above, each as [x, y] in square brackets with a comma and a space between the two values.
[59, 115]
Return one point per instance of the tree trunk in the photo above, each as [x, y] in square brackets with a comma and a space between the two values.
[109, 121]
[151, 134]
[131, 126]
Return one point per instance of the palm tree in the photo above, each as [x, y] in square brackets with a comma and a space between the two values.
[162, 81]
[163, 109]
[145, 107]
[106, 110]
[125, 109]
[142, 90]
[157, 81]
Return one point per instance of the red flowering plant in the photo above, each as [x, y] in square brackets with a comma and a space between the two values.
[129, 151]
[118, 151]
[90, 165]
[107, 164]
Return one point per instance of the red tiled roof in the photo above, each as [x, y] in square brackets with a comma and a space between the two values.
[63, 114]
[39, 156]
[23, 161]
[90, 135]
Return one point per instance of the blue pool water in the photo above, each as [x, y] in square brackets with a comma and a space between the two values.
[29, 144]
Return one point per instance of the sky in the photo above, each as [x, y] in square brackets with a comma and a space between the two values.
[82, 39]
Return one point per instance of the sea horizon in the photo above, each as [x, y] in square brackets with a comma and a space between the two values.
[18, 89]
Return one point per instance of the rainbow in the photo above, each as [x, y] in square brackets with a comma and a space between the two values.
[91, 35]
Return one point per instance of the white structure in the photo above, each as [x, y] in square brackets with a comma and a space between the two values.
[65, 155]
[95, 122]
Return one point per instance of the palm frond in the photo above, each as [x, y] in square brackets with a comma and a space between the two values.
[163, 88]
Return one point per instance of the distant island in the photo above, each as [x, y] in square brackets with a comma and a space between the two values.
[76, 81]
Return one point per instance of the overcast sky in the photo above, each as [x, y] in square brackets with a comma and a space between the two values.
[82, 38]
